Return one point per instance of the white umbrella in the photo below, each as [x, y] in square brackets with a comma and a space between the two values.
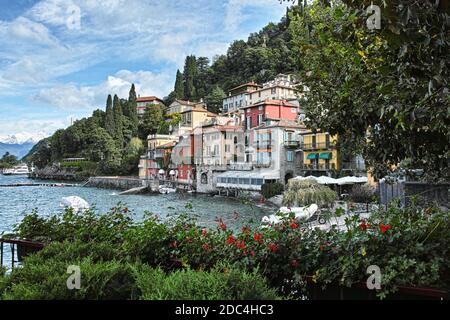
[351, 180]
[161, 171]
[76, 203]
[172, 172]
[320, 180]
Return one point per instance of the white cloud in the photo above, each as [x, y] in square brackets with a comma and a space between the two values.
[73, 97]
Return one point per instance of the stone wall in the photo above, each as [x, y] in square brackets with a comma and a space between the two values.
[118, 183]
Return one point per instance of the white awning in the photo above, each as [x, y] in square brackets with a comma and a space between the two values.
[340, 181]
[161, 171]
[250, 174]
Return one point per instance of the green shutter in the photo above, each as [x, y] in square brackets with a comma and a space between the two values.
[325, 155]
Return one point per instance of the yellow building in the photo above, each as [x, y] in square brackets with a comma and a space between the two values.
[322, 157]
[192, 115]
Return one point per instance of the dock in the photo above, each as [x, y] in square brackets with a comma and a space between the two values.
[16, 185]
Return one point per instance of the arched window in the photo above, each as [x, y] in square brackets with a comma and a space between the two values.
[204, 178]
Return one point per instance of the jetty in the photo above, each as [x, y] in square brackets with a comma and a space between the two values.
[16, 185]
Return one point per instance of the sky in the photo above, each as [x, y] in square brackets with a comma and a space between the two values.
[59, 59]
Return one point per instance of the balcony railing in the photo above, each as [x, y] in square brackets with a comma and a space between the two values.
[317, 146]
[319, 167]
[291, 143]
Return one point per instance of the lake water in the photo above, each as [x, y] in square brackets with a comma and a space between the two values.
[16, 202]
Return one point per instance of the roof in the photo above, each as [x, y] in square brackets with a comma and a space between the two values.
[248, 84]
[250, 174]
[283, 123]
[282, 103]
[145, 99]
[167, 145]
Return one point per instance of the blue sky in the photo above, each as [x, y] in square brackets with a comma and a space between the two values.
[59, 59]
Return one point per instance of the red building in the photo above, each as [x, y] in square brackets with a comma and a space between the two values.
[183, 159]
[256, 114]
[269, 109]
[144, 102]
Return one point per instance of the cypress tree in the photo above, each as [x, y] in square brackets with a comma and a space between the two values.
[179, 86]
[190, 71]
[109, 119]
[132, 109]
[118, 114]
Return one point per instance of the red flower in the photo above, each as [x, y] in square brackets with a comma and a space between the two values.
[230, 240]
[364, 226]
[125, 210]
[258, 237]
[206, 247]
[294, 225]
[174, 244]
[246, 230]
[273, 247]
[384, 228]
[222, 225]
[294, 263]
[252, 253]
[204, 232]
[240, 244]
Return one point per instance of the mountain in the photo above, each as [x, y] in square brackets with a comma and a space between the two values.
[19, 150]
[22, 138]
[19, 144]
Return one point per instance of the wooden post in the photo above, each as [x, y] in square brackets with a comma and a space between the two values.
[12, 259]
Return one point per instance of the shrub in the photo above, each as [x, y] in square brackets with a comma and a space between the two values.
[362, 193]
[307, 192]
[270, 190]
[221, 283]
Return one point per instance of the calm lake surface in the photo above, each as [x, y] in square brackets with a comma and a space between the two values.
[16, 202]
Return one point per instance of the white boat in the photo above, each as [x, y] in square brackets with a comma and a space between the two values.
[21, 170]
[166, 190]
[76, 203]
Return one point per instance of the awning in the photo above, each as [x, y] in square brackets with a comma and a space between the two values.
[312, 156]
[325, 155]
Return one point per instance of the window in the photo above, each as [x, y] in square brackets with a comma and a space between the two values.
[249, 123]
[273, 91]
[227, 148]
[294, 110]
[260, 119]
[260, 108]
[290, 156]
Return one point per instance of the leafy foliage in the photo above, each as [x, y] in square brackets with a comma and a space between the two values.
[307, 192]
[270, 190]
[384, 92]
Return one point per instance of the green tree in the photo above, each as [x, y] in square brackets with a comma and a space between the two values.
[109, 117]
[214, 100]
[179, 86]
[384, 92]
[151, 121]
[189, 74]
[132, 111]
[118, 120]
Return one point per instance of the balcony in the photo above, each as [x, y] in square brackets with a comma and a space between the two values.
[317, 146]
[240, 166]
[319, 167]
[291, 143]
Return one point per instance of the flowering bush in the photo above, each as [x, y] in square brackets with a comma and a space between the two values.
[410, 245]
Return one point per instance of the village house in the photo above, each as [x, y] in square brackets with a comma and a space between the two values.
[148, 166]
[277, 157]
[192, 115]
[143, 102]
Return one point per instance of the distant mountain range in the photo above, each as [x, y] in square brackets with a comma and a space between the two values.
[19, 144]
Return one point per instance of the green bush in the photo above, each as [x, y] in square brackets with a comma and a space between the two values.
[220, 283]
[270, 190]
[362, 193]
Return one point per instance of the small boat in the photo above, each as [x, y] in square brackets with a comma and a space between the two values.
[166, 190]
[76, 203]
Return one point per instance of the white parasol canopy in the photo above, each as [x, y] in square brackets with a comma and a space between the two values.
[161, 171]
